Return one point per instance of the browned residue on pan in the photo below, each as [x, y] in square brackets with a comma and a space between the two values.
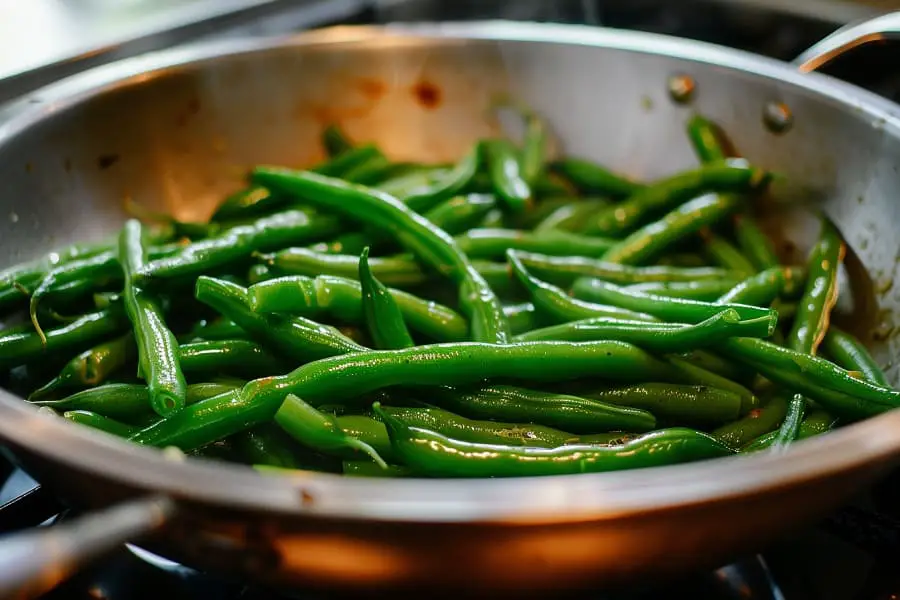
[427, 94]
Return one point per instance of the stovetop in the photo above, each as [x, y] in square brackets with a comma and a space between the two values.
[852, 555]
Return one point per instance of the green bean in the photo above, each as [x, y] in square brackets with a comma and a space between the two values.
[670, 309]
[652, 239]
[705, 291]
[563, 271]
[692, 374]
[692, 403]
[267, 233]
[266, 445]
[656, 337]
[721, 252]
[92, 367]
[570, 216]
[335, 141]
[851, 354]
[297, 338]
[24, 346]
[399, 272]
[494, 243]
[816, 423]
[557, 306]
[430, 453]
[764, 287]
[563, 411]
[97, 421]
[506, 175]
[733, 175]
[753, 243]
[320, 431]
[592, 178]
[381, 314]
[756, 423]
[820, 380]
[431, 245]
[486, 432]
[218, 329]
[521, 317]
[229, 356]
[156, 344]
[342, 299]
[126, 401]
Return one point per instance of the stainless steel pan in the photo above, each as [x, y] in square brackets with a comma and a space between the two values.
[179, 129]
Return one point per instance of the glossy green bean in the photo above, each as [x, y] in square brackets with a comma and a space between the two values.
[834, 388]
[723, 253]
[100, 422]
[563, 271]
[21, 347]
[229, 356]
[519, 405]
[399, 272]
[265, 234]
[127, 401]
[156, 344]
[753, 243]
[648, 242]
[570, 216]
[431, 245]
[320, 431]
[506, 175]
[266, 445]
[296, 338]
[381, 314]
[521, 317]
[214, 330]
[432, 454]
[705, 291]
[656, 337]
[704, 138]
[346, 161]
[557, 306]
[91, 367]
[351, 375]
[492, 244]
[758, 422]
[764, 287]
[489, 432]
[591, 178]
[699, 404]
[669, 309]
[816, 423]
[692, 374]
[851, 354]
[461, 213]
[335, 141]
[342, 299]
[659, 197]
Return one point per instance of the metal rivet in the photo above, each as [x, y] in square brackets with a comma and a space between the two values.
[777, 117]
[681, 88]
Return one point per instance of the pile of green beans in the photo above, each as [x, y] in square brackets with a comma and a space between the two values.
[510, 315]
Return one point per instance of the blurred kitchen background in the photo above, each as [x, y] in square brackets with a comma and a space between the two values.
[43, 40]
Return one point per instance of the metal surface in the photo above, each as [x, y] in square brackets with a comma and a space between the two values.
[847, 38]
[179, 129]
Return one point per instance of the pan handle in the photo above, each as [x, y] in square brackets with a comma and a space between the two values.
[884, 27]
[35, 561]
